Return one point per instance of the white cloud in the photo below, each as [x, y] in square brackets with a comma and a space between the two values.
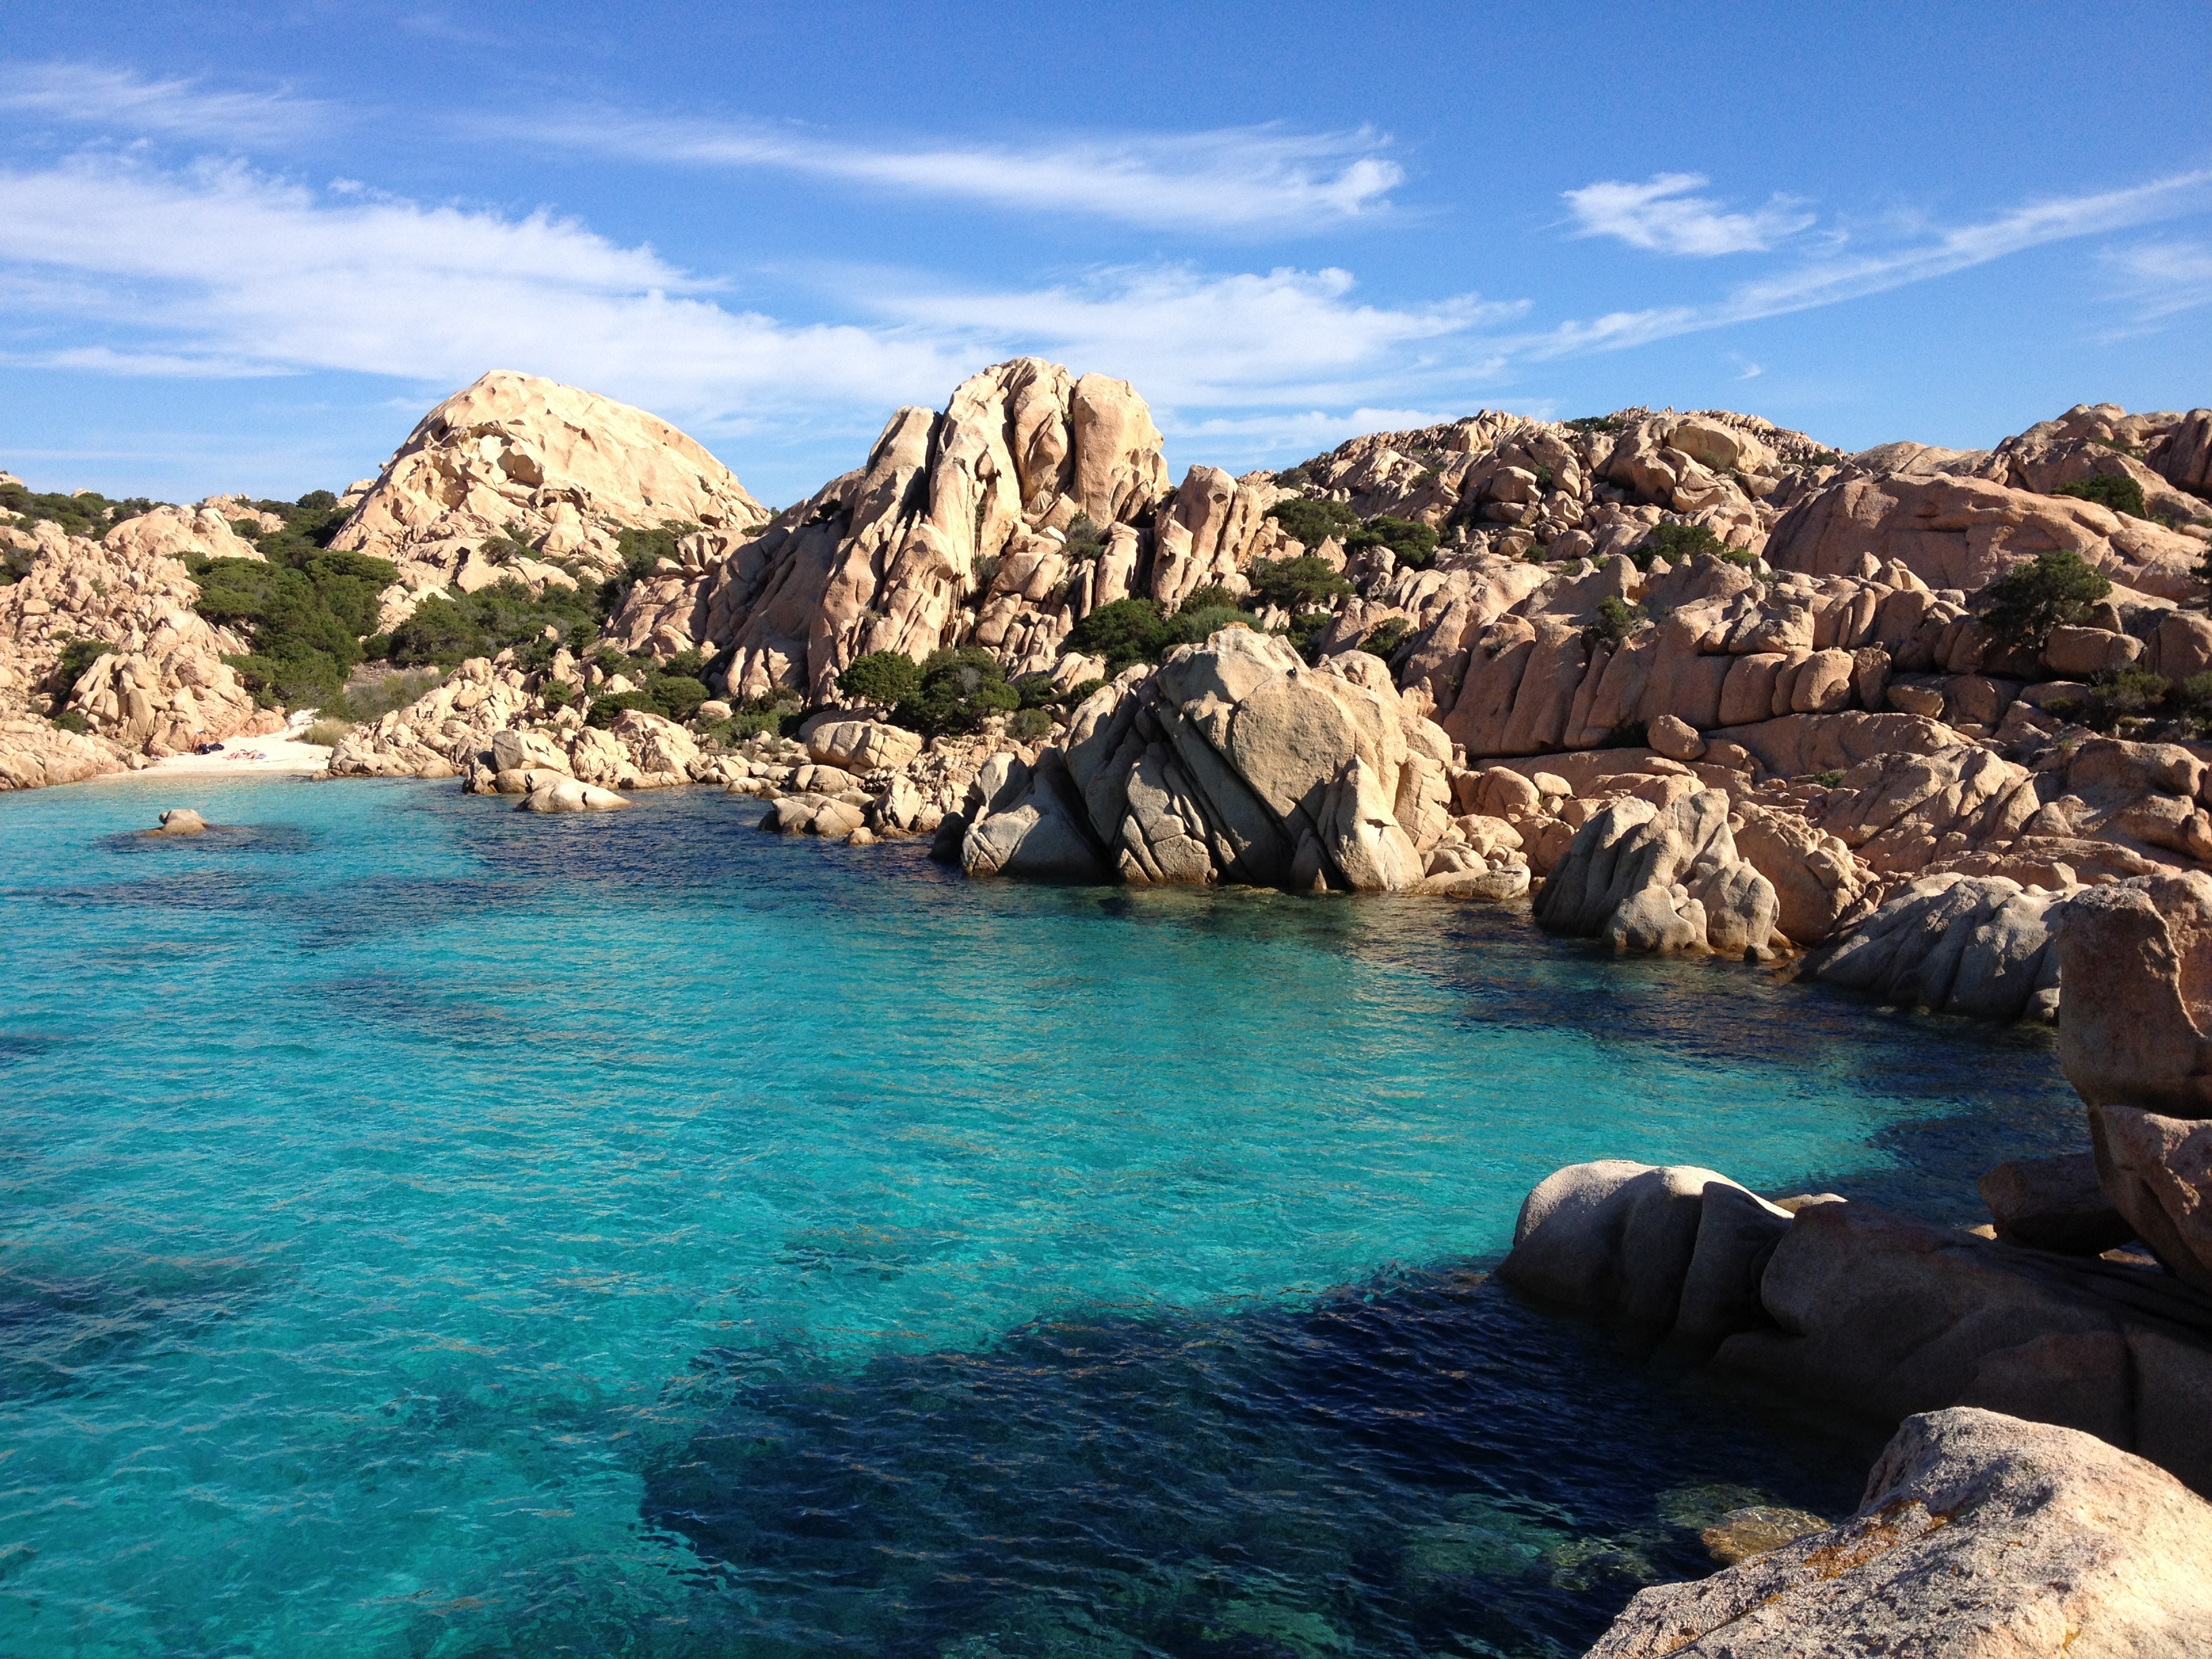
[1240, 180]
[1833, 281]
[123, 99]
[1663, 216]
[2162, 278]
[1185, 336]
[221, 271]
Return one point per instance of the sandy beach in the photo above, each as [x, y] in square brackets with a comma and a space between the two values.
[282, 753]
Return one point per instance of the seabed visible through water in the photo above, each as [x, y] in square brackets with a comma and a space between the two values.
[428, 1229]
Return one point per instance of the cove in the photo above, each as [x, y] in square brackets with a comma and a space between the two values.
[431, 1230]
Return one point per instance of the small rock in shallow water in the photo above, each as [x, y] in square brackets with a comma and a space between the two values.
[181, 821]
[1741, 1534]
[569, 796]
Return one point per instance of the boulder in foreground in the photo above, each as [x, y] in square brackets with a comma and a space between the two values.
[1980, 1535]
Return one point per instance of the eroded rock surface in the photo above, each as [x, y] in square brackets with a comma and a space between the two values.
[1979, 1536]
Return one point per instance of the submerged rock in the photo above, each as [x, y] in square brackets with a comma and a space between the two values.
[1980, 1535]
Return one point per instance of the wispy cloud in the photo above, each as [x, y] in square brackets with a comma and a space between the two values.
[221, 272]
[218, 270]
[2162, 278]
[1189, 337]
[1239, 179]
[1662, 215]
[87, 95]
[1833, 281]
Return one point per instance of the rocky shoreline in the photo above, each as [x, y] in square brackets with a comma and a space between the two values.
[1926, 724]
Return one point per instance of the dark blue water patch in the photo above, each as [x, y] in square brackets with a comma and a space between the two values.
[189, 889]
[1416, 1467]
[67, 1331]
[217, 840]
[449, 1013]
[395, 906]
[17, 1047]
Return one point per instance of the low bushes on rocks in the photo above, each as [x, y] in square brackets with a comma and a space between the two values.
[2055, 590]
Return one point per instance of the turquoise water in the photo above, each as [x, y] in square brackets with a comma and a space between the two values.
[431, 1230]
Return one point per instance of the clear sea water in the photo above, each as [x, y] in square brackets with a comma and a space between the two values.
[428, 1229]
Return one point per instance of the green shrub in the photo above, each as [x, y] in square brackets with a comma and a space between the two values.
[885, 678]
[1828, 780]
[506, 616]
[2114, 489]
[1082, 690]
[2056, 590]
[2131, 694]
[1190, 626]
[1085, 540]
[326, 732]
[1029, 724]
[557, 694]
[1124, 632]
[73, 719]
[1598, 424]
[1296, 585]
[675, 695]
[1675, 543]
[959, 690]
[77, 655]
[1211, 597]
[1822, 458]
[1383, 640]
[89, 515]
[1414, 544]
[1305, 631]
[778, 713]
[364, 703]
[1314, 521]
[302, 609]
[1616, 620]
[1293, 477]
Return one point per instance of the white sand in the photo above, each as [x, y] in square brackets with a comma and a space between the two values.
[242, 756]
[239, 756]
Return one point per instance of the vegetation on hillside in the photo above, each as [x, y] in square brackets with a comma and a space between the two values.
[1675, 543]
[2113, 489]
[301, 608]
[1136, 630]
[2055, 590]
[89, 515]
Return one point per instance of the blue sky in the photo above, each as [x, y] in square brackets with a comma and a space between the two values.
[245, 247]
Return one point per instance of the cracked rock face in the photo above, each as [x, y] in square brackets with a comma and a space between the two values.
[1234, 762]
[1651, 878]
[1980, 1537]
[2137, 961]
